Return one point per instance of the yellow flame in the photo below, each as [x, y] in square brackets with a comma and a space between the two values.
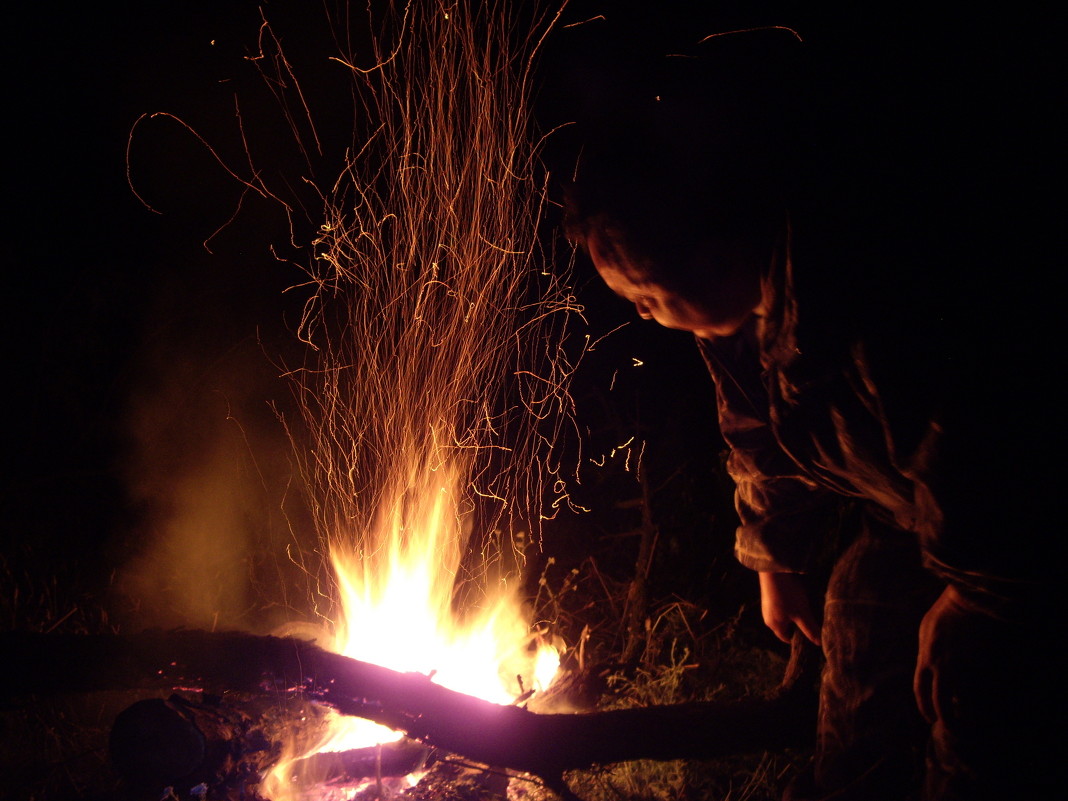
[397, 610]
[434, 382]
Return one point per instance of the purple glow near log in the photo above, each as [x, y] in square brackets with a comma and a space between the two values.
[502, 736]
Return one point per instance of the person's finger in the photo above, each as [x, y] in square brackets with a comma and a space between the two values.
[783, 628]
[809, 628]
[923, 689]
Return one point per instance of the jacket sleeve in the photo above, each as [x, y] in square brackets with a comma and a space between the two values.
[783, 514]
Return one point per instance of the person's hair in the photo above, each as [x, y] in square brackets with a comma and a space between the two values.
[712, 156]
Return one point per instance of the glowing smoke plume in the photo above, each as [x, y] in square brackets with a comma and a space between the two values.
[433, 385]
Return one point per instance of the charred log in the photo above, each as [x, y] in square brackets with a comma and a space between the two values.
[224, 745]
[545, 745]
[183, 743]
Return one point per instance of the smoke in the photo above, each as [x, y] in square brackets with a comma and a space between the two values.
[207, 463]
[427, 345]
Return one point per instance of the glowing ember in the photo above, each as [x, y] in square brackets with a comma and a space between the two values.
[433, 386]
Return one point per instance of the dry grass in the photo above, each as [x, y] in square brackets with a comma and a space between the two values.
[687, 656]
[53, 747]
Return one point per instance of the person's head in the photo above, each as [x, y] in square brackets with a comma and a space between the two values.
[710, 288]
[679, 197]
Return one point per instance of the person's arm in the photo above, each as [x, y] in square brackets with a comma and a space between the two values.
[784, 604]
[782, 514]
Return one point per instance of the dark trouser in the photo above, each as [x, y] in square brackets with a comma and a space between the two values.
[871, 737]
[993, 688]
[989, 684]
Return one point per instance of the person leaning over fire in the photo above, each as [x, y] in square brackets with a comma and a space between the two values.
[709, 208]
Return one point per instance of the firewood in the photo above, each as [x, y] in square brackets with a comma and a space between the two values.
[348, 767]
[182, 743]
[224, 745]
[509, 737]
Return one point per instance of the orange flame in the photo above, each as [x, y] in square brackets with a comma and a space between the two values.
[398, 611]
[435, 382]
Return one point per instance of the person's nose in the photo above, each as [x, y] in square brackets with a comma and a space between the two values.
[643, 310]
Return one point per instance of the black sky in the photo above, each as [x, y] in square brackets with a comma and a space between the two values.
[99, 291]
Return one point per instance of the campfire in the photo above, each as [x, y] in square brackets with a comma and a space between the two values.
[426, 374]
[431, 381]
[431, 391]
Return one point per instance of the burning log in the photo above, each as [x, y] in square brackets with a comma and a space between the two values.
[542, 744]
[226, 744]
[347, 767]
[178, 742]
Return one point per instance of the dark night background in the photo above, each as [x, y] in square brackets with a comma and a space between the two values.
[130, 348]
[114, 314]
[139, 365]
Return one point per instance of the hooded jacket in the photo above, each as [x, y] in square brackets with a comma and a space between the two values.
[849, 387]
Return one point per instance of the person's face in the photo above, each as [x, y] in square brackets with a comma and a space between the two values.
[718, 307]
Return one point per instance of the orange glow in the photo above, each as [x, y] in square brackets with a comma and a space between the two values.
[397, 611]
[433, 384]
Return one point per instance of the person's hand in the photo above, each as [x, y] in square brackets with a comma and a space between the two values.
[785, 605]
[940, 626]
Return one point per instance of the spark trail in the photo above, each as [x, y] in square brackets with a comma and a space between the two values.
[435, 385]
